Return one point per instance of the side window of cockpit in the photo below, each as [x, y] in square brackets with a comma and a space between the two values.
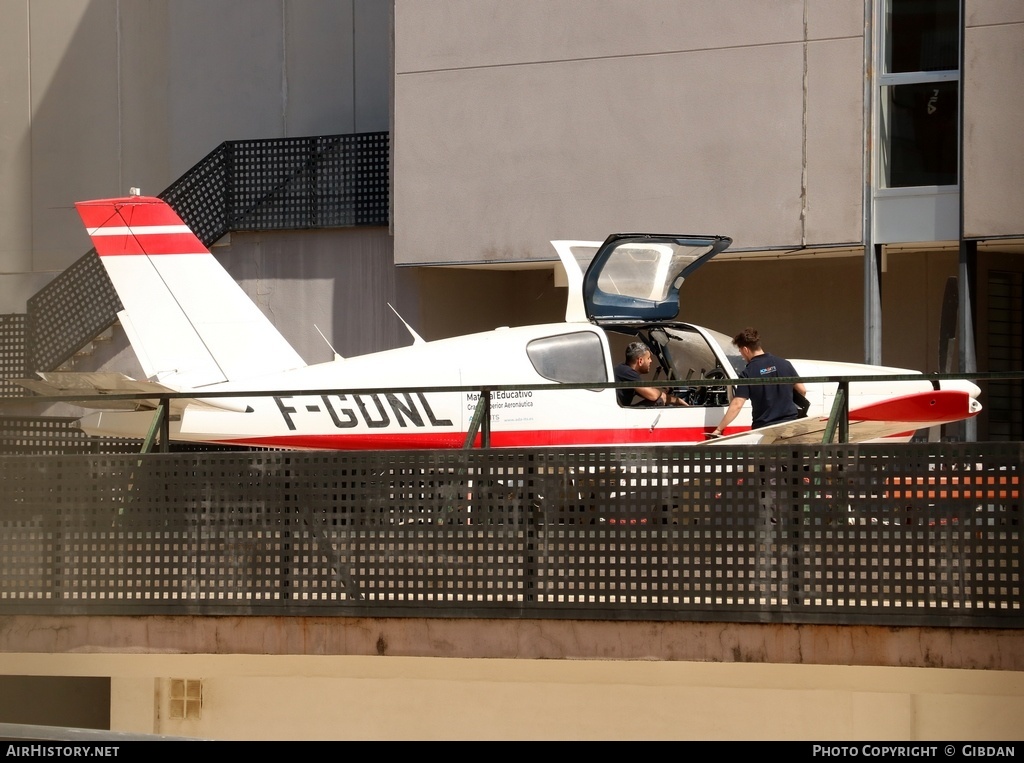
[569, 358]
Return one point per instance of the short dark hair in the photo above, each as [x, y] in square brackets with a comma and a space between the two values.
[749, 338]
[635, 350]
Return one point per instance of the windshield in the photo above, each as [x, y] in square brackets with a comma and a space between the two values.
[731, 353]
[646, 271]
[637, 276]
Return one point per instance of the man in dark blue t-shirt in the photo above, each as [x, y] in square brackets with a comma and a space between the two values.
[771, 403]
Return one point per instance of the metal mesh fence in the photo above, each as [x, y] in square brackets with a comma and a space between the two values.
[13, 363]
[69, 312]
[903, 535]
[333, 181]
[62, 435]
[202, 196]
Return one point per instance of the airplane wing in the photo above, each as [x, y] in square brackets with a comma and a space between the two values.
[897, 415]
[91, 387]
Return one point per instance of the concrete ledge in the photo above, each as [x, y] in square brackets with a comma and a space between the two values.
[979, 649]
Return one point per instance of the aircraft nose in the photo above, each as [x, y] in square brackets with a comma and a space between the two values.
[963, 385]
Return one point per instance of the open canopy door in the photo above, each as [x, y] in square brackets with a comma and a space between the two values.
[637, 276]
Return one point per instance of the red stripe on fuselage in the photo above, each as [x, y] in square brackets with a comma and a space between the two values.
[538, 438]
[501, 439]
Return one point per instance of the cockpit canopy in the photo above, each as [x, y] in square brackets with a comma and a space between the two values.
[632, 276]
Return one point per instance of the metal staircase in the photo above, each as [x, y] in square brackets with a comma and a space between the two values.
[273, 184]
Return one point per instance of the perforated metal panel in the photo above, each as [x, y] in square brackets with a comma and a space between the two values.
[201, 196]
[275, 184]
[1004, 398]
[13, 365]
[55, 435]
[331, 181]
[64, 316]
[907, 534]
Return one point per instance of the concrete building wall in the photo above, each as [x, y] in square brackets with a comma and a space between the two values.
[993, 115]
[338, 281]
[411, 678]
[525, 123]
[517, 124]
[102, 95]
[72, 128]
[16, 223]
[266, 697]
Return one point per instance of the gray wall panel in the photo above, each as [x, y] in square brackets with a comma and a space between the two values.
[226, 77]
[145, 106]
[981, 12]
[498, 161]
[516, 124]
[460, 34]
[319, 78]
[373, 69]
[15, 141]
[835, 130]
[338, 281]
[75, 127]
[832, 19]
[993, 115]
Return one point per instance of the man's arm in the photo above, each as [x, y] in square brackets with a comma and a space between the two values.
[650, 393]
[800, 387]
[659, 396]
[733, 411]
[653, 395]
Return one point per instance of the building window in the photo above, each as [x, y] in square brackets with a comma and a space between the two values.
[920, 93]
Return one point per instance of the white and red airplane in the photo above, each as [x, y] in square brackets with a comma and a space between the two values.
[194, 330]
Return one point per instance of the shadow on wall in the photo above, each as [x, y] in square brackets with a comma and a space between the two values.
[465, 300]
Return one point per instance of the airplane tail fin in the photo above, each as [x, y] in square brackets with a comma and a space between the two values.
[188, 321]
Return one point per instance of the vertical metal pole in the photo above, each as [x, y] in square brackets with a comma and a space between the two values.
[165, 425]
[968, 362]
[481, 422]
[839, 418]
[485, 429]
[873, 303]
[872, 251]
[158, 428]
[967, 265]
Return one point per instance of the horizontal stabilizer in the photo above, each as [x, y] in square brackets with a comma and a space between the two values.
[89, 387]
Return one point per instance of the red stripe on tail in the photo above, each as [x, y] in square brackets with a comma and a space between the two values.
[137, 213]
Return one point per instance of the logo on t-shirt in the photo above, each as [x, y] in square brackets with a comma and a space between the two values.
[768, 370]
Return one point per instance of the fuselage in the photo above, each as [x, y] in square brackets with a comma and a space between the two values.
[372, 401]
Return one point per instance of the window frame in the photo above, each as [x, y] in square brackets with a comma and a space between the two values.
[883, 124]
